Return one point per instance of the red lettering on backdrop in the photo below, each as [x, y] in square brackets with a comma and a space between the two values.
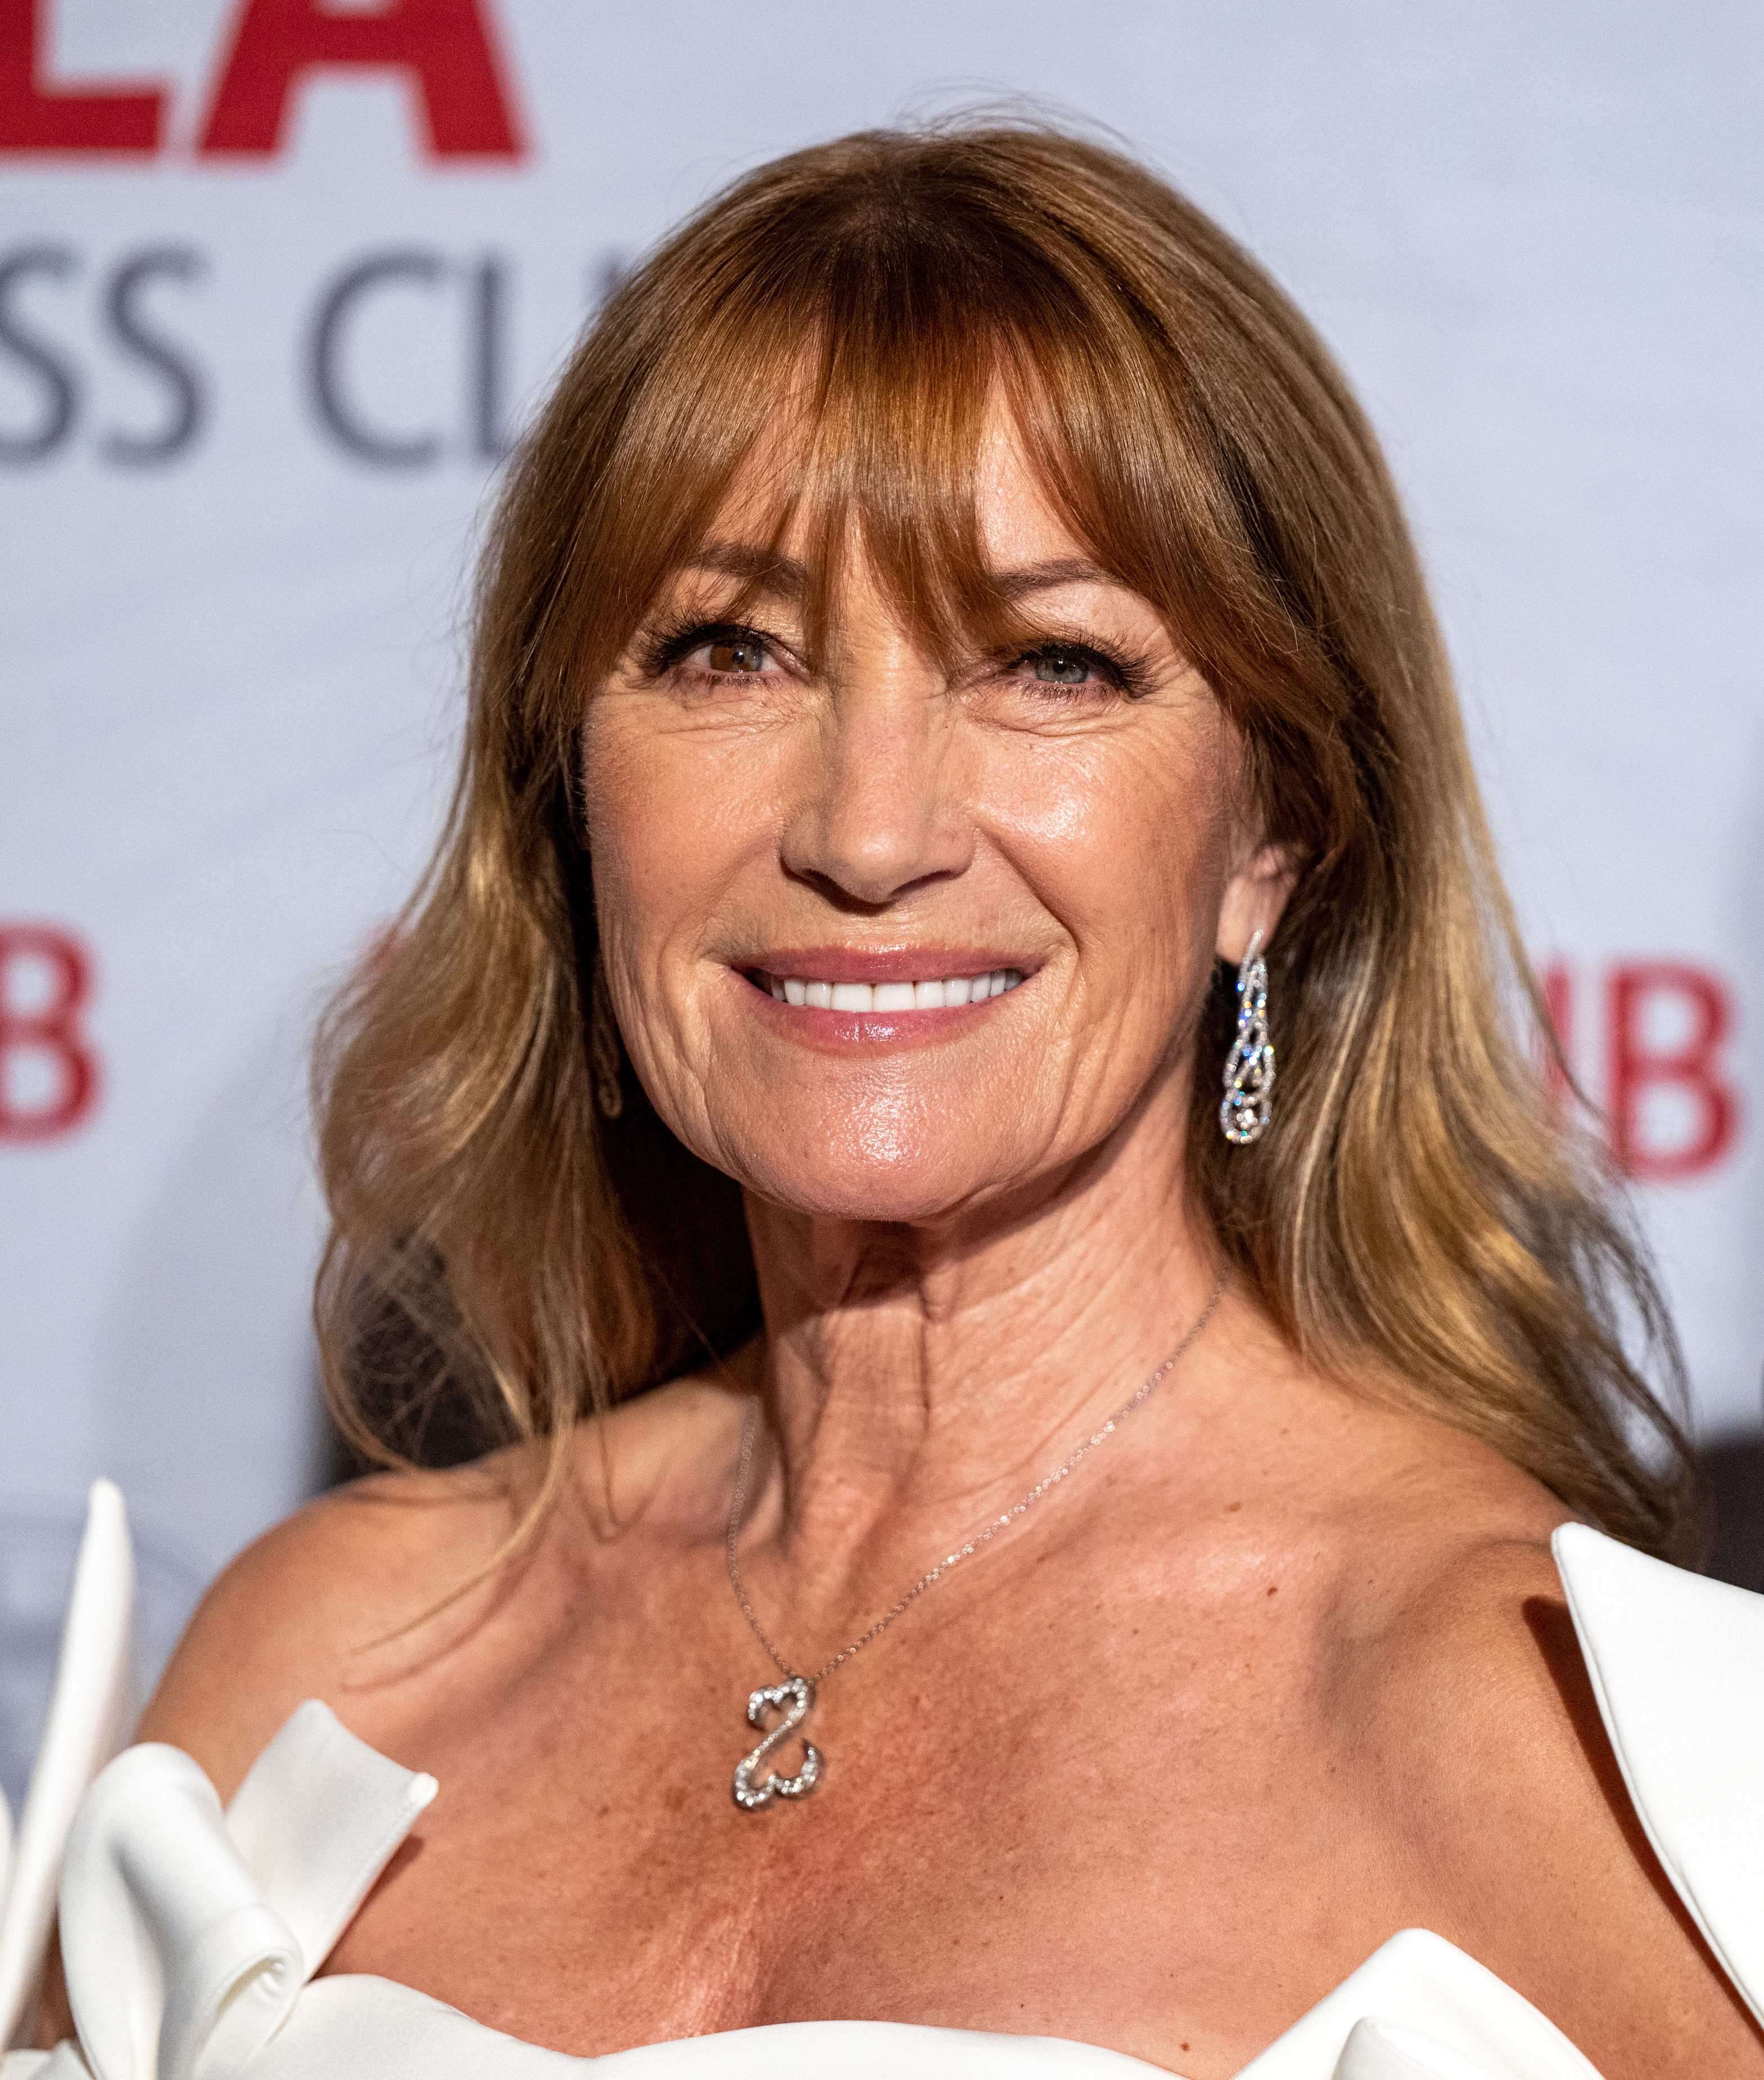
[1692, 1067]
[446, 44]
[37, 117]
[51, 1029]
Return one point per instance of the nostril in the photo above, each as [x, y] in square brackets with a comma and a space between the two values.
[868, 848]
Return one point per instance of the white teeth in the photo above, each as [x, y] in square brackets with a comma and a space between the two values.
[932, 995]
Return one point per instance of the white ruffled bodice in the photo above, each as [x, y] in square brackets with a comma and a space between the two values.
[190, 1936]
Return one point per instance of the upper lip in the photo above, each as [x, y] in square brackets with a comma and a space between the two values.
[900, 964]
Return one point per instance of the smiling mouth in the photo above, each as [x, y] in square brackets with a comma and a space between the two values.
[936, 993]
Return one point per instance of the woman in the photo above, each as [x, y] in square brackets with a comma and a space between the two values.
[955, 707]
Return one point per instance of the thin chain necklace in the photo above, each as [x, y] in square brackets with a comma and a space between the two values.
[795, 1695]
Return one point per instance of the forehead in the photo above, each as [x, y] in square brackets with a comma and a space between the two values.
[1018, 522]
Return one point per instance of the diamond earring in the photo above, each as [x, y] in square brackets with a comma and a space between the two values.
[1249, 1068]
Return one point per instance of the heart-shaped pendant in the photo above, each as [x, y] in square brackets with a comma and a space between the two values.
[795, 1696]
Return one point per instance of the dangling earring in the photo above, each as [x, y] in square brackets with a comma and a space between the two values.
[603, 1046]
[1249, 1068]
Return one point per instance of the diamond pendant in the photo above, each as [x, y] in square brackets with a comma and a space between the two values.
[796, 1695]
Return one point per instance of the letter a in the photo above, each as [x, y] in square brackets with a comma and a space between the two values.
[446, 44]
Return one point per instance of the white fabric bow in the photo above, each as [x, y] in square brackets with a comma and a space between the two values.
[177, 1968]
[186, 1933]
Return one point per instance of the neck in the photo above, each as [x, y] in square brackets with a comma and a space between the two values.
[920, 1377]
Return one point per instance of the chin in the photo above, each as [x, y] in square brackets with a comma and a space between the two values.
[869, 1176]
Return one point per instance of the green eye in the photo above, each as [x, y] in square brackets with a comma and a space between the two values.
[737, 654]
[1060, 668]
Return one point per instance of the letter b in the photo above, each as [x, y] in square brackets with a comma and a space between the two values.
[1691, 1067]
[47, 1028]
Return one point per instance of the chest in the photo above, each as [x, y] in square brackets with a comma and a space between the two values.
[1076, 1830]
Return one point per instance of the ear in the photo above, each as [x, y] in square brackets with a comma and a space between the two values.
[1255, 897]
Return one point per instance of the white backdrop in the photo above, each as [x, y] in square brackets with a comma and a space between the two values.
[269, 304]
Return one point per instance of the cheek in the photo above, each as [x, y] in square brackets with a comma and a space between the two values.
[616, 812]
[669, 818]
[1123, 839]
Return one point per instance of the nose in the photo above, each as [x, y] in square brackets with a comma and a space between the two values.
[879, 810]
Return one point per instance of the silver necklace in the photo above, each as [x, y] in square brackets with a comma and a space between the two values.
[794, 1696]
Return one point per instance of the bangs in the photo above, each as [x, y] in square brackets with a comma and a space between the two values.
[840, 379]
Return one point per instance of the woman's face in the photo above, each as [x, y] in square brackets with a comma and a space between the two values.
[885, 941]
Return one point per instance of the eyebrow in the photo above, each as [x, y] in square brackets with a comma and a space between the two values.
[785, 577]
[766, 570]
[1043, 577]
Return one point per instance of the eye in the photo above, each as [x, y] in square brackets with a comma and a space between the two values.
[1077, 666]
[735, 654]
[1061, 668]
[711, 650]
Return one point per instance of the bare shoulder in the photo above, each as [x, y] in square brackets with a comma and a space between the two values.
[1480, 1737]
[1466, 1665]
[1455, 1648]
[390, 1596]
[290, 1618]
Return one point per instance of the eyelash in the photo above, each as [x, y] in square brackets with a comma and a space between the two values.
[674, 642]
[671, 643]
[1128, 676]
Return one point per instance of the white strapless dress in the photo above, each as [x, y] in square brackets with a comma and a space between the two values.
[190, 1935]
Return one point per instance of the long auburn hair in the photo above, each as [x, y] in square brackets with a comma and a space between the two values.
[1418, 1221]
